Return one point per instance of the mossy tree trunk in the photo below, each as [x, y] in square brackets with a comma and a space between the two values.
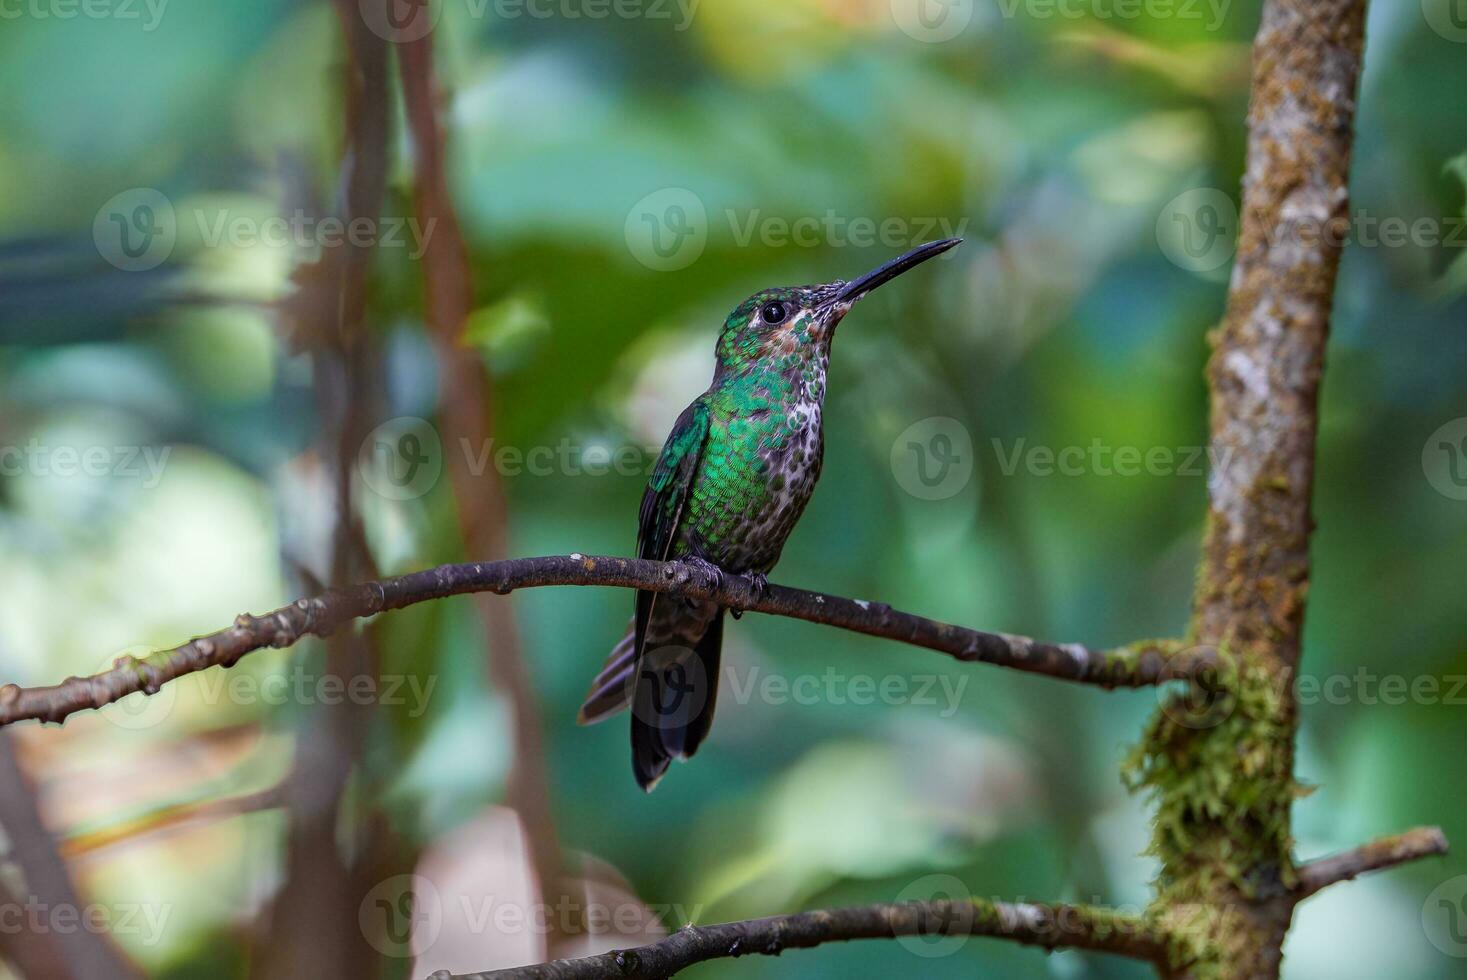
[1222, 768]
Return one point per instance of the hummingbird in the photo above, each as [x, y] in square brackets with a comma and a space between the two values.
[730, 482]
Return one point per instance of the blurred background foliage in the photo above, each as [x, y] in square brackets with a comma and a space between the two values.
[1053, 144]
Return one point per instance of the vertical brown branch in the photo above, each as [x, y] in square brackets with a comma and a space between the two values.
[1268, 355]
[312, 924]
[1225, 787]
[467, 421]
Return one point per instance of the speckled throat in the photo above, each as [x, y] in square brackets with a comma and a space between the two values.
[765, 442]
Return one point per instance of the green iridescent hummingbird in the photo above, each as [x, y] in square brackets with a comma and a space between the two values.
[732, 479]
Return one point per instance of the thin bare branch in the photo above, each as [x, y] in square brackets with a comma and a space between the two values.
[1046, 926]
[308, 928]
[171, 817]
[1142, 665]
[1386, 852]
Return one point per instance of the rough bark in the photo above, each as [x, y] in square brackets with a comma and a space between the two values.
[1045, 926]
[1142, 665]
[1223, 781]
[1224, 792]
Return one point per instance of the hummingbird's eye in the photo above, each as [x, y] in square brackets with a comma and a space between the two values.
[773, 312]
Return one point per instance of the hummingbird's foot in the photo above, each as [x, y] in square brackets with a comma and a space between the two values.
[758, 584]
[710, 573]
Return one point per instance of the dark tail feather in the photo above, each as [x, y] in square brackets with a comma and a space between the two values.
[673, 707]
[611, 691]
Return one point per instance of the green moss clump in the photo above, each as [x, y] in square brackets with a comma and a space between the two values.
[1217, 760]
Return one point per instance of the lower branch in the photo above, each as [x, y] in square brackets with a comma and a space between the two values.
[1137, 666]
[1046, 926]
[1387, 852]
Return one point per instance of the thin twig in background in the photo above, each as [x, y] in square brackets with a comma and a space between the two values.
[467, 412]
[172, 817]
[311, 928]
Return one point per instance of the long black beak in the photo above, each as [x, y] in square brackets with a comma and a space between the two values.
[857, 288]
